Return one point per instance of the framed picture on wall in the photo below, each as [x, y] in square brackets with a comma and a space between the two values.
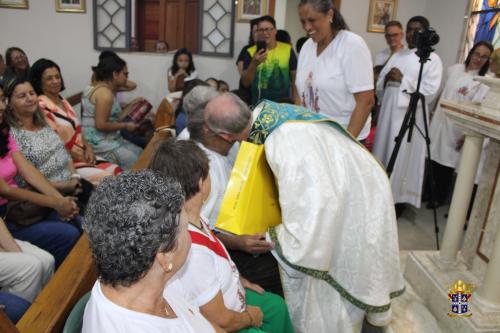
[380, 13]
[70, 6]
[247, 10]
[22, 4]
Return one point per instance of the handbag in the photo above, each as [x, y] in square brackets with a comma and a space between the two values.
[25, 213]
[139, 111]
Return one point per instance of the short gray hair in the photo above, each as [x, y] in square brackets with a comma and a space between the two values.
[193, 105]
[129, 219]
[229, 122]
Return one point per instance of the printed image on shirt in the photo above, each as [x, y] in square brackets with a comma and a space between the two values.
[310, 96]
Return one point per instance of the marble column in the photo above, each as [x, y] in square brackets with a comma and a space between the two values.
[489, 292]
[471, 153]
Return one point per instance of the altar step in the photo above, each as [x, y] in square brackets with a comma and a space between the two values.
[409, 312]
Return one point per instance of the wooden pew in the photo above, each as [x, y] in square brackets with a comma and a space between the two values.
[165, 118]
[75, 99]
[5, 324]
[72, 280]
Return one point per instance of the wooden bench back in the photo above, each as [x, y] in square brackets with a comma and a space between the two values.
[75, 277]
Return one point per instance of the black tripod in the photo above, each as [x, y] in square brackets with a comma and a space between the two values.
[408, 125]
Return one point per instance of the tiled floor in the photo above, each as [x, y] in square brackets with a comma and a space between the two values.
[416, 228]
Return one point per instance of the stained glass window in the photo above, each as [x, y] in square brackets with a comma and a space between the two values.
[483, 24]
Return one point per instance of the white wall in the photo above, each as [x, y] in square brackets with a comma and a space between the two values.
[447, 17]
[67, 39]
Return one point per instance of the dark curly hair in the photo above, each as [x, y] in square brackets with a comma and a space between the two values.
[129, 219]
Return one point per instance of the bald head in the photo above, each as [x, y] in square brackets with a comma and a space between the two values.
[227, 113]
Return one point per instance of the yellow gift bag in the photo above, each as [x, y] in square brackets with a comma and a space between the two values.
[250, 203]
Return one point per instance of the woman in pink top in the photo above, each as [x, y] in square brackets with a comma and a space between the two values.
[46, 78]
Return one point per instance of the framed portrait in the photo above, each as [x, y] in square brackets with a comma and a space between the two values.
[70, 6]
[247, 10]
[380, 13]
[21, 4]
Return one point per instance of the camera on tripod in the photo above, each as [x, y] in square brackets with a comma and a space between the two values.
[423, 40]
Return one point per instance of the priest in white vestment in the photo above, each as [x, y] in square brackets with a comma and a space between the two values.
[398, 78]
[337, 245]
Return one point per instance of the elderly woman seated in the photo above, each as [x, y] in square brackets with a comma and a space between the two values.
[138, 234]
[210, 274]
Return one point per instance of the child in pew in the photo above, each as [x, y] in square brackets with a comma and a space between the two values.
[182, 70]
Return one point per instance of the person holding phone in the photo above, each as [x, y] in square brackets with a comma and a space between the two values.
[269, 66]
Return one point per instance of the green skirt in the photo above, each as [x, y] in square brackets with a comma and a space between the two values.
[276, 317]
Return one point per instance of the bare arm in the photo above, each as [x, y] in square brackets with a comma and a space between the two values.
[295, 94]
[249, 74]
[239, 66]
[33, 176]
[364, 103]
[173, 79]
[129, 86]
[103, 103]
[49, 196]
[7, 242]
[215, 311]
[38, 181]
[247, 243]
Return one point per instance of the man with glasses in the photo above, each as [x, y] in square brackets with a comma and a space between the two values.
[397, 79]
[394, 37]
[269, 72]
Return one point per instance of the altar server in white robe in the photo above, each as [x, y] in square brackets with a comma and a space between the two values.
[400, 74]
[446, 136]
[337, 245]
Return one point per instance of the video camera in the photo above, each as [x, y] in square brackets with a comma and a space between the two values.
[423, 40]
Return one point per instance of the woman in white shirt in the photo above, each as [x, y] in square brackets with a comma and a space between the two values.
[446, 137]
[334, 71]
[224, 297]
[138, 234]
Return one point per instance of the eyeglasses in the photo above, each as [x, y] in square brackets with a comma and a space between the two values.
[392, 35]
[480, 57]
[265, 30]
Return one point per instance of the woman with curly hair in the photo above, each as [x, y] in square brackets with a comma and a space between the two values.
[138, 234]
[223, 295]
